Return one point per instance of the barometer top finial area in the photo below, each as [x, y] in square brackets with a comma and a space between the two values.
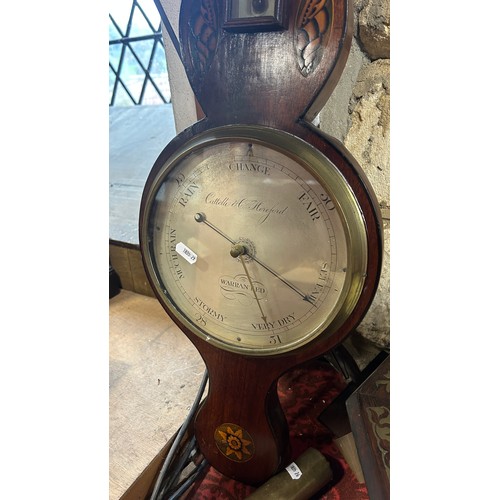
[266, 62]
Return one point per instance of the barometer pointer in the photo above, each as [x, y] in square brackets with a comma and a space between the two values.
[200, 217]
[236, 251]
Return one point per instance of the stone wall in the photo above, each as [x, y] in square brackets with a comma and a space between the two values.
[358, 114]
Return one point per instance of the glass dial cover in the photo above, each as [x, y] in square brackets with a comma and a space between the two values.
[253, 240]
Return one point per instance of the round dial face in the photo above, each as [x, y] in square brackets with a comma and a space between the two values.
[253, 240]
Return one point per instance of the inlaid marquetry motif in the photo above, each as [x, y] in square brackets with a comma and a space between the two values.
[234, 442]
[312, 31]
[203, 35]
[379, 417]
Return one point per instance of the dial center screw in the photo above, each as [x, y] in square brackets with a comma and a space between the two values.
[237, 250]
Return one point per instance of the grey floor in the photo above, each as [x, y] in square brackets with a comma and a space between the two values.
[137, 135]
[154, 375]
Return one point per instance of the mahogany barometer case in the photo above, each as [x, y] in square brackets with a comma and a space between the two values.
[260, 234]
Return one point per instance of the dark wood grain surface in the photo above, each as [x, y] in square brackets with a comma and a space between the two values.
[271, 78]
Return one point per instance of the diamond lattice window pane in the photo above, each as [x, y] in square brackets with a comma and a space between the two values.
[113, 32]
[132, 74]
[149, 8]
[114, 55]
[151, 95]
[140, 25]
[122, 98]
[143, 49]
[126, 55]
[159, 64]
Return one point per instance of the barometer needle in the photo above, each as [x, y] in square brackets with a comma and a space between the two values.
[201, 217]
[238, 251]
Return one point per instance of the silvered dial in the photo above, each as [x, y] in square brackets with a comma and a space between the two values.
[254, 241]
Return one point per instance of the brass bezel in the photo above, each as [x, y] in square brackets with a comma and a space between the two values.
[335, 186]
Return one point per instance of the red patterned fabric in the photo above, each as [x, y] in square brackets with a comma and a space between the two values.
[304, 393]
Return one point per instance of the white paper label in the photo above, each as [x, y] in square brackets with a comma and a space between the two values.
[294, 471]
[185, 252]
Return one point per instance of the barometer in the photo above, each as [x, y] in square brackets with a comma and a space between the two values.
[255, 241]
[260, 235]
